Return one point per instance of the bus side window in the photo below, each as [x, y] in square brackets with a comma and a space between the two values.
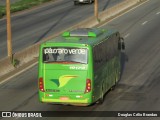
[108, 49]
[111, 48]
[99, 54]
[95, 58]
[102, 52]
[105, 51]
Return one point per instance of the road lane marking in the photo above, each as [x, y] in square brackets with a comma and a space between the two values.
[144, 22]
[124, 13]
[18, 73]
[127, 35]
[158, 13]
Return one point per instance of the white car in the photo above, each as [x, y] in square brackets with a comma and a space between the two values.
[83, 1]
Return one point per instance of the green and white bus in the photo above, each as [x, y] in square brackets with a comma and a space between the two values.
[79, 67]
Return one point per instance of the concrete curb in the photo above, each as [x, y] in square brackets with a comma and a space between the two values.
[31, 53]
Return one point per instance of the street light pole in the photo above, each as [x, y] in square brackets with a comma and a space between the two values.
[9, 35]
[96, 8]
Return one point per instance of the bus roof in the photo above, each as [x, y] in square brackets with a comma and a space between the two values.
[89, 36]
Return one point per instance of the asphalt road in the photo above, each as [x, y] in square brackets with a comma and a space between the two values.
[32, 26]
[138, 89]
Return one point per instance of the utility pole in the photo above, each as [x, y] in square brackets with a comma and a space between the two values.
[9, 35]
[96, 8]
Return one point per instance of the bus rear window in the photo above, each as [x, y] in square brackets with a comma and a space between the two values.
[65, 54]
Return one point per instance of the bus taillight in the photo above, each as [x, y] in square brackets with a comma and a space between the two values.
[88, 85]
[41, 85]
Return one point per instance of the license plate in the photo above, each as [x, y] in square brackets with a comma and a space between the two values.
[64, 98]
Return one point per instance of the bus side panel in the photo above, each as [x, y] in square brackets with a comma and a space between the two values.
[106, 65]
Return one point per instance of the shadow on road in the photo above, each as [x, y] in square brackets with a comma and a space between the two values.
[124, 59]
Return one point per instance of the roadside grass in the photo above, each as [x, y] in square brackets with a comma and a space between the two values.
[2, 11]
[21, 5]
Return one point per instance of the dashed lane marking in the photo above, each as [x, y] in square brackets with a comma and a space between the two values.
[158, 13]
[127, 35]
[144, 22]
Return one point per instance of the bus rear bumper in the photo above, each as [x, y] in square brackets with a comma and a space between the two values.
[84, 102]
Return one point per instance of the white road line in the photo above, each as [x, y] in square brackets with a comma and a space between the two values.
[127, 35]
[144, 22]
[158, 13]
[124, 13]
[18, 73]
